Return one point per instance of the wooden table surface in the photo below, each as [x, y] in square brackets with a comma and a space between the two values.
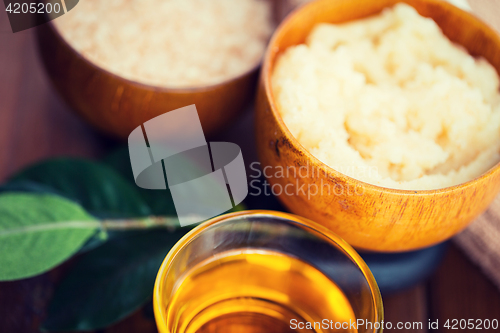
[35, 124]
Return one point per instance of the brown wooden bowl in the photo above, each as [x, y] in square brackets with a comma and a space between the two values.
[116, 105]
[368, 216]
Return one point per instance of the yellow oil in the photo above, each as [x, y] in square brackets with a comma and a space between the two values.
[254, 291]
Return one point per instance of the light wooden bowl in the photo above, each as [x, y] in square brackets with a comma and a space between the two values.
[116, 106]
[367, 216]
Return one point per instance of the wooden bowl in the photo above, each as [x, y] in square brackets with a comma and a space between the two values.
[368, 216]
[116, 105]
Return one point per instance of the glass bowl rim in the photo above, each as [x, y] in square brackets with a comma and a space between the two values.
[158, 303]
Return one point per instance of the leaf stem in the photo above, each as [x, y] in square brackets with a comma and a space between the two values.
[170, 223]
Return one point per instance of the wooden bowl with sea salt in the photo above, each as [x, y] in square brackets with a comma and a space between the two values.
[120, 79]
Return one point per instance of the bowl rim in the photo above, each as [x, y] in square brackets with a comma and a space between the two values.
[266, 74]
[158, 302]
[51, 25]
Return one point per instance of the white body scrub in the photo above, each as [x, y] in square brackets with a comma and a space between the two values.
[170, 43]
[391, 101]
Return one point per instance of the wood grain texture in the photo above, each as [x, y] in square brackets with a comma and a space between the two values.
[458, 290]
[408, 306]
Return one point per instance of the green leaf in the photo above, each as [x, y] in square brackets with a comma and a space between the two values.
[99, 189]
[38, 232]
[110, 282]
[159, 201]
[119, 160]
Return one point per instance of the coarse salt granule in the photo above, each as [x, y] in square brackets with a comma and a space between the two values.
[170, 43]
